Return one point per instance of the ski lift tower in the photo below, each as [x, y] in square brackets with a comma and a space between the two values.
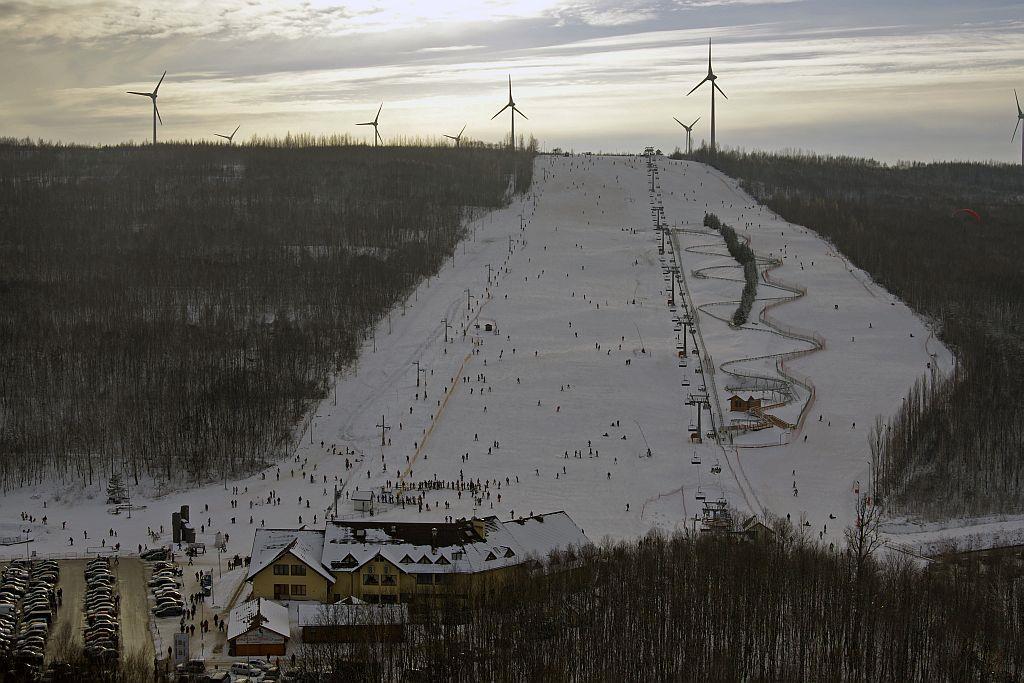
[699, 400]
[716, 518]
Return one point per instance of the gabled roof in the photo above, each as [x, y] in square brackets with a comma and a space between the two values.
[258, 613]
[306, 545]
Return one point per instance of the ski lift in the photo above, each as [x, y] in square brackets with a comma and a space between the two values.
[716, 469]
[700, 494]
[686, 381]
[695, 460]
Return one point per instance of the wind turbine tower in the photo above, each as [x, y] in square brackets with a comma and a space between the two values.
[376, 135]
[229, 138]
[152, 96]
[710, 78]
[514, 110]
[1020, 117]
[689, 130]
[456, 138]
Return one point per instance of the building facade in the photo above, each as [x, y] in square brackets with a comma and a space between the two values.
[382, 562]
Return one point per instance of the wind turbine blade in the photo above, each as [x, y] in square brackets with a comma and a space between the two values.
[236, 130]
[709, 55]
[695, 122]
[368, 123]
[378, 112]
[500, 112]
[516, 110]
[157, 110]
[1015, 129]
[720, 90]
[510, 87]
[450, 137]
[462, 131]
[144, 94]
[679, 122]
[378, 136]
[697, 86]
[1019, 112]
[157, 88]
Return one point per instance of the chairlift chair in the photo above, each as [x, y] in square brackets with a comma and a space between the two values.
[695, 460]
[700, 494]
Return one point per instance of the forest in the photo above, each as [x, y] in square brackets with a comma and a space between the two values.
[744, 255]
[697, 607]
[957, 445]
[172, 312]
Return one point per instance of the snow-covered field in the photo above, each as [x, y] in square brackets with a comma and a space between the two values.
[557, 410]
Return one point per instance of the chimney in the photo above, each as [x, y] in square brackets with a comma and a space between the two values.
[479, 528]
[433, 539]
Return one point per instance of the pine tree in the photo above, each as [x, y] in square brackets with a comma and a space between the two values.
[115, 489]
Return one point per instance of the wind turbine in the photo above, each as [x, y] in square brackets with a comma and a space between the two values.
[152, 96]
[689, 130]
[710, 78]
[457, 138]
[231, 137]
[1020, 117]
[515, 110]
[376, 135]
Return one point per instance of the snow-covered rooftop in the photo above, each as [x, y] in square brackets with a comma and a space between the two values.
[256, 613]
[463, 546]
[305, 544]
[359, 614]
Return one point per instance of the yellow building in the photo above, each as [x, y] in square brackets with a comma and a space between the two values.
[399, 562]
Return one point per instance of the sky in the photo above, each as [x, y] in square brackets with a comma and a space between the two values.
[899, 79]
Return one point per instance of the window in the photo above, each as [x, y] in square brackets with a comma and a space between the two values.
[280, 591]
[406, 560]
[369, 580]
[425, 560]
[443, 560]
[280, 570]
[299, 589]
[298, 570]
[423, 578]
[391, 599]
[388, 580]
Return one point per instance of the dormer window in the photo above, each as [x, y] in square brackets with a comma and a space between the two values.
[406, 560]
[442, 560]
[490, 556]
[425, 560]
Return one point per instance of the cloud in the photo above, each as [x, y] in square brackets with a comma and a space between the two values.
[587, 72]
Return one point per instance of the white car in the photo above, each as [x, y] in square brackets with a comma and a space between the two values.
[244, 670]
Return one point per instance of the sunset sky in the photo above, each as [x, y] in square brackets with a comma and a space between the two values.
[900, 79]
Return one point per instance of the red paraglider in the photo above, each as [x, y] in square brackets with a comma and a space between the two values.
[968, 212]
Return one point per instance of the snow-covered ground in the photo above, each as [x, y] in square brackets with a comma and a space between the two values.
[560, 407]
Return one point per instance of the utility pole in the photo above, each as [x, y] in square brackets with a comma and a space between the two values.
[383, 428]
[418, 371]
[468, 298]
[444, 321]
[488, 273]
[510, 244]
[522, 225]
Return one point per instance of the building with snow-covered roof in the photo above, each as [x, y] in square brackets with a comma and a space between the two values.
[285, 565]
[397, 562]
[258, 628]
[352, 622]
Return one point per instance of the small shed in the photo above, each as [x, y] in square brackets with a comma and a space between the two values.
[738, 404]
[362, 501]
[258, 628]
[357, 622]
[486, 326]
[754, 529]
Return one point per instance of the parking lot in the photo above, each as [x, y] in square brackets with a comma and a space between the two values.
[135, 612]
